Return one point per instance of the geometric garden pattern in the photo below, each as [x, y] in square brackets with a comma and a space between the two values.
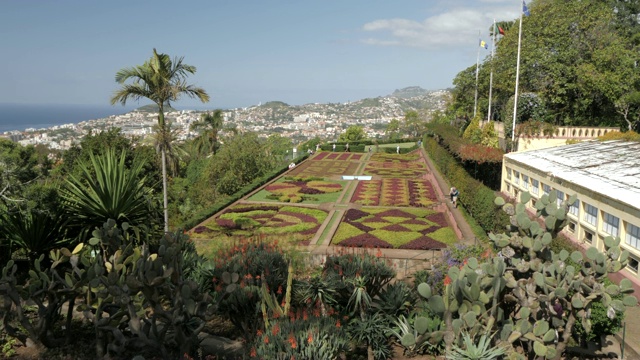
[395, 209]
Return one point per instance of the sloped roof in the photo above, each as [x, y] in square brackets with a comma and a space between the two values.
[610, 168]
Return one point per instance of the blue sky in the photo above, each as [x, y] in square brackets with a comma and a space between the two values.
[245, 52]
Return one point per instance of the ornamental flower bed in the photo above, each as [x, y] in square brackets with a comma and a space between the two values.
[337, 156]
[394, 192]
[417, 229]
[325, 168]
[298, 189]
[398, 169]
[247, 220]
[396, 158]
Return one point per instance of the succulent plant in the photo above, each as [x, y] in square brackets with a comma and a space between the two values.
[536, 277]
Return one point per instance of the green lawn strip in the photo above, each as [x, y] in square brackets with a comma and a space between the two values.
[361, 167]
[348, 192]
[327, 232]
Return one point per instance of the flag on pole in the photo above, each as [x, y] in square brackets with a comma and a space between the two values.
[525, 10]
[484, 44]
[500, 30]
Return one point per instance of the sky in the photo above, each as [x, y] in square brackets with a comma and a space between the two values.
[246, 51]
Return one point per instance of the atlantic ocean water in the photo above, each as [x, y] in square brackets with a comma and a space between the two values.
[23, 116]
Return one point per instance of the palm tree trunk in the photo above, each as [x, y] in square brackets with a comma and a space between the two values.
[164, 190]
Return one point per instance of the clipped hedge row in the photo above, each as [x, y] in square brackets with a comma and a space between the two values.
[363, 145]
[483, 163]
[474, 196]
[223, 203]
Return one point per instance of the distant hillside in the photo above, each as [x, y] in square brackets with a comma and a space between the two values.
[409, 92]
[274, 105]
[153, 108]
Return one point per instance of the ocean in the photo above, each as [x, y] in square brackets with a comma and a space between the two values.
[24, 116]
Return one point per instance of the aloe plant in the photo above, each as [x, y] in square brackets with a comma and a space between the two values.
[483, 350]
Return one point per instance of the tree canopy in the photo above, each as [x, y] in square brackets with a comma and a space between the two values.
[578, 60]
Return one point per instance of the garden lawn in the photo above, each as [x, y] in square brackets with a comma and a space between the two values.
[417, 229]
[247, 220]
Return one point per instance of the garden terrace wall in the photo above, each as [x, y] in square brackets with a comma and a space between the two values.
[474, 195]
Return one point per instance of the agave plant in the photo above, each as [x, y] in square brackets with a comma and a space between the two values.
[483, 350]
[35, 232]
[107, 189]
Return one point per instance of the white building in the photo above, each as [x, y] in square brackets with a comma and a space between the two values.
[604, 175]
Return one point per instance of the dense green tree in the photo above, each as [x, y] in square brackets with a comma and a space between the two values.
[162, 81]
[242, 159]
[279, 147]
[412, 124]
[209, 127]
[310, 144]
[392, 131]
[489, 135]
[95, 143]
[18, 167]
[353, 133]
[473, 132]
[578, 58]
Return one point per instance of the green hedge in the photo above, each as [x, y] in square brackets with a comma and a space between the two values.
[484, 163]
[223, 203]
[363, 145]
[474, 196]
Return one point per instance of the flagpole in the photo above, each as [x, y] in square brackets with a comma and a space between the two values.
[515, 100]
[475, 104]
[493, 48]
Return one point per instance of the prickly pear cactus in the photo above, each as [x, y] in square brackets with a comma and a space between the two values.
[546, 294]
[469, 300]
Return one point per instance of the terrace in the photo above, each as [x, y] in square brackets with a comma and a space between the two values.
[395, 207]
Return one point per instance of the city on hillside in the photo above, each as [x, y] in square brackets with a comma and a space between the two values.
[298, 123]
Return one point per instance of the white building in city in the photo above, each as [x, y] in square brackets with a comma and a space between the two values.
[604, 175]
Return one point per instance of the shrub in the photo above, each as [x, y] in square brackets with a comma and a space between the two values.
[314, 337]
[256, 262]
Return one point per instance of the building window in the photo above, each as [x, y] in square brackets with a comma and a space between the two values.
[633, 264]
[611, 224]
[533, 202]
[508, 174]
[546, 189]
[508, 188]
[571, 227]
[516, 177]
[525, 182]
[535, 186]
[590, 214]
[588, 237]
[560, 198]
[574, 208]
[633, 236]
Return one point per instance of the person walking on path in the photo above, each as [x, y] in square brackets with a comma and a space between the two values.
[334, 147]
[454, 193]
[398, 149]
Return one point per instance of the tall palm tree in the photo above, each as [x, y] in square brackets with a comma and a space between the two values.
[162, 81]
[209, 126]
